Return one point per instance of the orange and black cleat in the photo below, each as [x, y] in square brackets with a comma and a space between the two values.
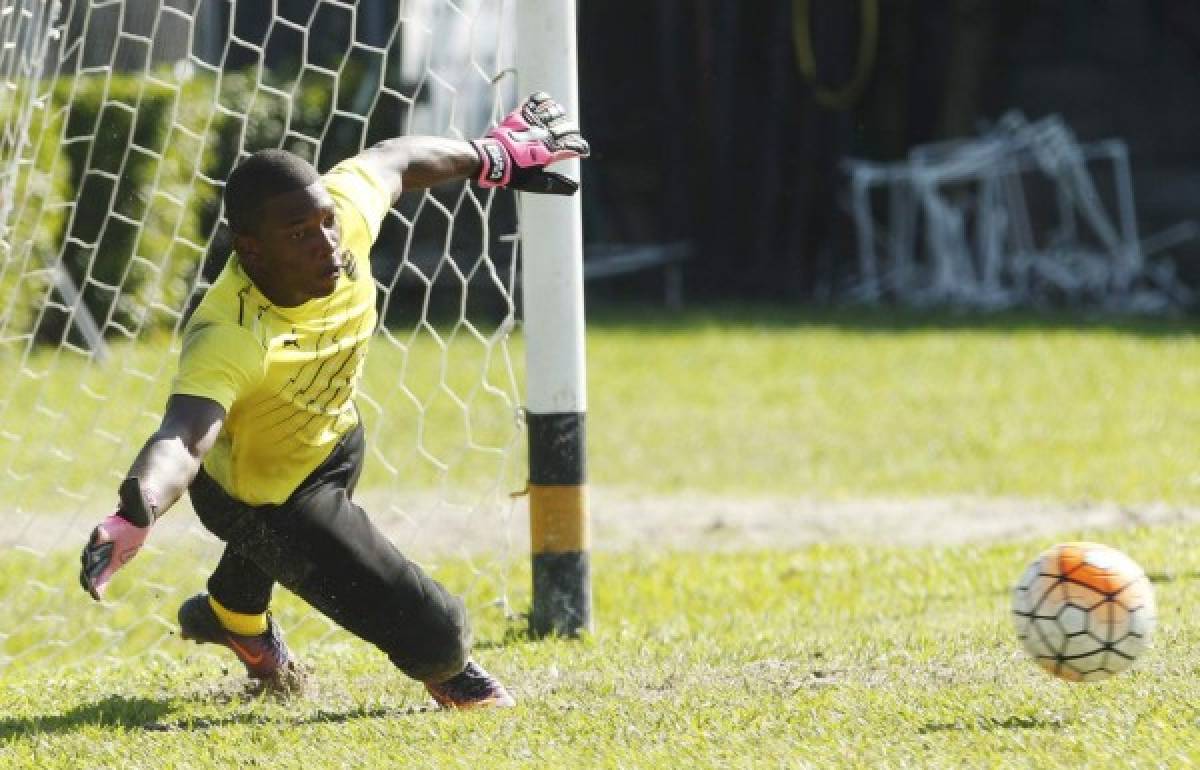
[264, 655]
[471, 688]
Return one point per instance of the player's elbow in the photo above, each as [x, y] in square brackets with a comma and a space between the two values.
[193, 423]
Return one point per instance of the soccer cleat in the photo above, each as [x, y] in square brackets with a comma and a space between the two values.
[472, 688]
[264, 656]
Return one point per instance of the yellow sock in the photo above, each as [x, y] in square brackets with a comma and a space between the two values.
[238, 622]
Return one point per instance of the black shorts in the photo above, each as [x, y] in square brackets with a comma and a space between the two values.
[322, 546]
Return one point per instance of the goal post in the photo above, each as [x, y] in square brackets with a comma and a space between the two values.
[131, 115]
[556, 403]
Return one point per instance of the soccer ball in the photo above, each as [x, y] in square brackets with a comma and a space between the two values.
[1084, 611]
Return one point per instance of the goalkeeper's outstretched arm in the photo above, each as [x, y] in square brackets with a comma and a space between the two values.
[160, 473]
[417, 162]
[514, 154]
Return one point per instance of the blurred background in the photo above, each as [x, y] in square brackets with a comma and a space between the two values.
[985, 154]
[710, 129]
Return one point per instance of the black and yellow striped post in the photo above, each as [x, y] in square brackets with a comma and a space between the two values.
[552, 294]
[558, 524]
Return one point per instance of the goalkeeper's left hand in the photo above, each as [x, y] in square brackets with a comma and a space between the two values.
[516, 152]
[116, 539]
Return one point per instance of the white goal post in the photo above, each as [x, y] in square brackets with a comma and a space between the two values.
[119, 123]
[554, 331]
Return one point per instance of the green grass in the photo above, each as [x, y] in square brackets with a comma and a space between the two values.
[730, 401]
[827, 656]
[833, 655]
[852, 404]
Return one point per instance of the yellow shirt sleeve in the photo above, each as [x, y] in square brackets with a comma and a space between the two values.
[353, 182]
[219, 362]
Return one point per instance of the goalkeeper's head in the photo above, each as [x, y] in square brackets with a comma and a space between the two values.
[285, 227]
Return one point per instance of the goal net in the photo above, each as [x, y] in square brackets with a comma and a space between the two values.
[120, 121]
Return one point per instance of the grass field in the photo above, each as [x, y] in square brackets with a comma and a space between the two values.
[834, 655]
[846, 403]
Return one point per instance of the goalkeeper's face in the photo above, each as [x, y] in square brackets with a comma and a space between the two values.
[297, 246]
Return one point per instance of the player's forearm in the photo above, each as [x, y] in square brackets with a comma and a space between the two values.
[164, 469]
[160, 473]
[415, 162]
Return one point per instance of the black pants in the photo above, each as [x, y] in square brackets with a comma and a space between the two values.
[321, 546]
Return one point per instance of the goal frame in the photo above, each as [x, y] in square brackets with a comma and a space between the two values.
[556, 403]
[552, 402]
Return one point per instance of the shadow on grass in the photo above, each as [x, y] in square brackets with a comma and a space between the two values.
[153, 715]
[114, 711]
[319, 718]
[994, 723]
[518, 633]
[768, 317]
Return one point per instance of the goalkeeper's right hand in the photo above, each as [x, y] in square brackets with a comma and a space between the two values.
[116, 539]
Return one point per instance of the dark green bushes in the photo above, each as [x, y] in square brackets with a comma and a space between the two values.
[119, 193]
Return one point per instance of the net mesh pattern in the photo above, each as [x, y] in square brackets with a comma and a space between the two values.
[119, 123]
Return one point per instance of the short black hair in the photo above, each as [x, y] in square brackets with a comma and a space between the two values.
[263, 175]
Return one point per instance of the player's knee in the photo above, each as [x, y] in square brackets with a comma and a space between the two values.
[441, 642]
[452, 644]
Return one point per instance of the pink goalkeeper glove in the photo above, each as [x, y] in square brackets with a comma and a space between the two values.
[516, 152]
[116, 540]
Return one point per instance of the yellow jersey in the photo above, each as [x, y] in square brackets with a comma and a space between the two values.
[287, 376]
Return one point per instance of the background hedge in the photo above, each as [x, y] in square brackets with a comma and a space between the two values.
[122, 185]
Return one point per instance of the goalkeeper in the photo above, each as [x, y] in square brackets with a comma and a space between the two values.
[261, 426]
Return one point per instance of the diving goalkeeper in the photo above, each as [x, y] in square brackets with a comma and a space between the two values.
[261, 426]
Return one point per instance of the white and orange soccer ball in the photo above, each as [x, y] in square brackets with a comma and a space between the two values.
[1084, 611]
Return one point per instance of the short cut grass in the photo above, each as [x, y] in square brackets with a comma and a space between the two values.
[263, 175]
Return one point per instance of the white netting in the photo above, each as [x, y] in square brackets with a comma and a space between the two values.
[25, 32]
[120, 121]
